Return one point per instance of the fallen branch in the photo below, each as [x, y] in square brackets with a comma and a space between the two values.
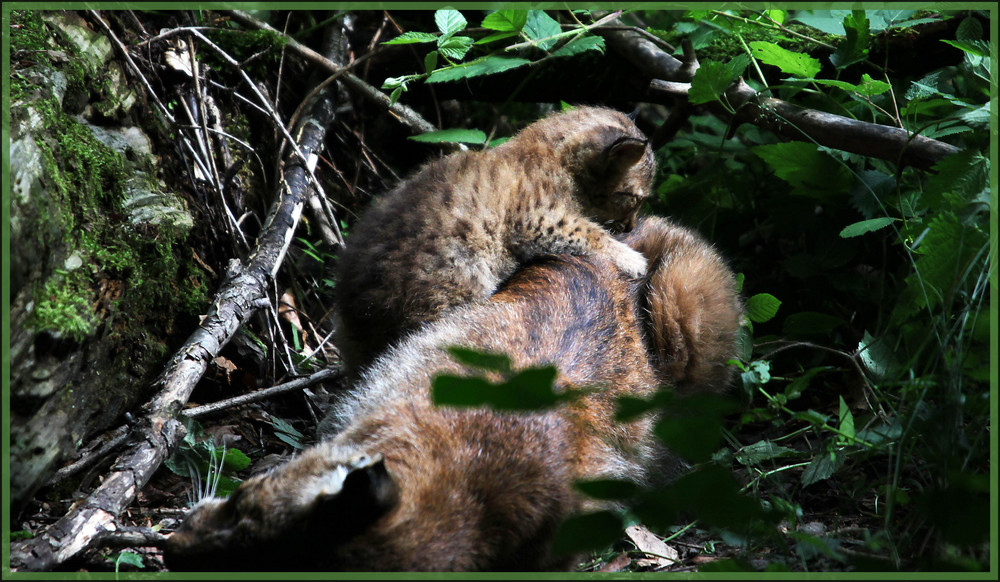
[153, 437]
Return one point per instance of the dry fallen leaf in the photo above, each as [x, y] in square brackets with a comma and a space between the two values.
[660, 555]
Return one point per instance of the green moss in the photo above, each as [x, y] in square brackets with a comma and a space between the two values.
[151, 273]
[65, 306]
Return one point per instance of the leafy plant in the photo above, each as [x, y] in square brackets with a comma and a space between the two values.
[538, 31]
[210, 467]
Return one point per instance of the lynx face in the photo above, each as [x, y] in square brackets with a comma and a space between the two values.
[401, 484]
[462, 225]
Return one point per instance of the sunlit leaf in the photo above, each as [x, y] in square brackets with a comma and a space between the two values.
[484, 66]
[539, 26]
[454, 135]
[854, 47]
[713, 78]
[413, 37]
[579, 45]
[865, 226]
[455, 47]
[762, 307]
[506, 20]
[449, 21]
[793, 63]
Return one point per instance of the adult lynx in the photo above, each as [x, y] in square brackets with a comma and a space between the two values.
[401, 484]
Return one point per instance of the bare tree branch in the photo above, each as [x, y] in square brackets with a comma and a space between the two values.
[800, 124]
[786, 120]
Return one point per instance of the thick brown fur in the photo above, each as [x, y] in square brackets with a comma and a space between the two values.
[403, 485]
[461, 225]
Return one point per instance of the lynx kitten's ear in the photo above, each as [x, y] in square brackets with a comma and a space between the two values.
[625, 152]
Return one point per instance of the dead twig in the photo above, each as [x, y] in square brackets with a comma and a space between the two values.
[297, 384]
[404, 114]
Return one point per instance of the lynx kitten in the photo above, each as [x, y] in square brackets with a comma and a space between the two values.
[463, 224]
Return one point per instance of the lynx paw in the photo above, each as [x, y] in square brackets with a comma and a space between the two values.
[629, 260]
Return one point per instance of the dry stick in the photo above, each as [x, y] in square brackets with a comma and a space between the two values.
[242, 293]
[297, 384]
[783, 118]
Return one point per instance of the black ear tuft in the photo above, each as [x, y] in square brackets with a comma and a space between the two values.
[634, 114]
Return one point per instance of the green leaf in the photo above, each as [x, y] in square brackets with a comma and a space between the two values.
[964, 174]
[709, 493]
[811, 416]
[454, 135]
[528, 389]
[460, 391]
[762, 307]
[876, 356]
[969, 29]
[793, 63]
[506, 20]
[811, 172]
[449, 21]
[413, 37]
[488, 65]
[224, 486]
[869, 86]
[713, 78]
[692, 426]
[284, 426]
[947, 250]
[865, 226]
[822, 467]
[854, 47]
[587, 532]
[454, 47]
[846, 420]
[579, 45]
[539, 26]
[849, 87]
[129, 558]
[430, 61]
[476, 358]
[761, 451]
[289, 440]
[828, 21]
[235, 460]
[980, 48]
[495, 37]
